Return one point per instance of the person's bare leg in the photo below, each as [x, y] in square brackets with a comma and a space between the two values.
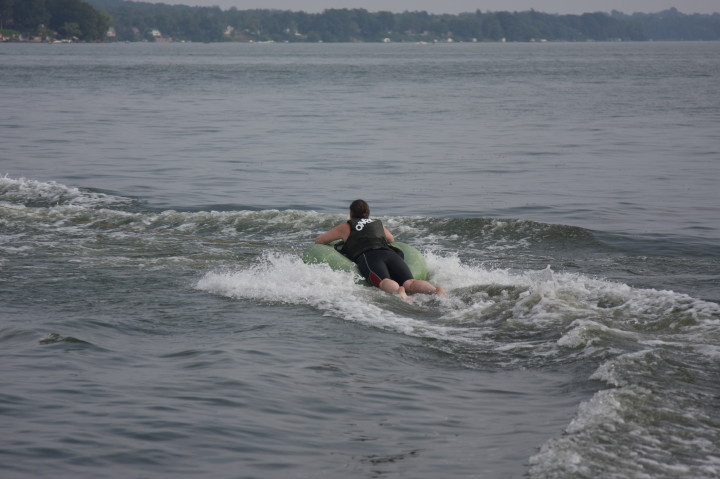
[419, 286]
[403, 295]
[392, 287]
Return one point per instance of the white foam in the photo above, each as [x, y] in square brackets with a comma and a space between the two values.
[593, 314]
[584, 333]
[602, 410]
[632, 431]
[24, 191]
[448, 271]
[284, 278]
[536, 299]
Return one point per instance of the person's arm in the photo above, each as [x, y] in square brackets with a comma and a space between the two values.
[339, 232]
[388, 236]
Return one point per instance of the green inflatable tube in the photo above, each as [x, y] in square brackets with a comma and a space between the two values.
[322, 253]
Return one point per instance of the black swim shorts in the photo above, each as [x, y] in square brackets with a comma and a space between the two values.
[379, 264]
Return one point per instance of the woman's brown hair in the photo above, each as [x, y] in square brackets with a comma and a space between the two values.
[359, 209]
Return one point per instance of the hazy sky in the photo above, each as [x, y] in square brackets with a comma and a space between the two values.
[457, 6]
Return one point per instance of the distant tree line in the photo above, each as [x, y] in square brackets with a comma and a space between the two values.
[133, 20]
[51, 19]
[139, 21]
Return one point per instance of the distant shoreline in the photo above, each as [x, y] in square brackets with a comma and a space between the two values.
[126, 21]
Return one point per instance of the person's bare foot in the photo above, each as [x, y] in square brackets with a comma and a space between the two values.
[404, 296]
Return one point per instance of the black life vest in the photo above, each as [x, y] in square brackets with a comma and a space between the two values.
[365, 234]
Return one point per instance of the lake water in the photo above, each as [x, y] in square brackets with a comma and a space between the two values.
[156, 319]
